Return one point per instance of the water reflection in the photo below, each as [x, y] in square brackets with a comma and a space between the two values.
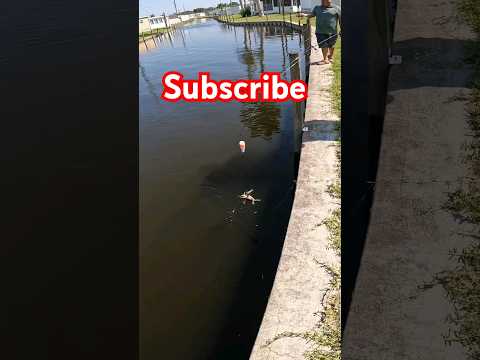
[159, 40]
[261, 118]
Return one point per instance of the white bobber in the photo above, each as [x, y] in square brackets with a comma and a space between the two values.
[242, 146]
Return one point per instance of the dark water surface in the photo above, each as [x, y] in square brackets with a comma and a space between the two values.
[207, 261]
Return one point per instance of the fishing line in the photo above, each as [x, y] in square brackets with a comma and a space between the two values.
[305, 50]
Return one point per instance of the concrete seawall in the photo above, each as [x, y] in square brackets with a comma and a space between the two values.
[285, 23]
[300, 282]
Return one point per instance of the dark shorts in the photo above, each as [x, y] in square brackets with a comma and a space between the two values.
[326, 40]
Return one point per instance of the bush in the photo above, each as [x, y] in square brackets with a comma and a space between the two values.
[247, 11]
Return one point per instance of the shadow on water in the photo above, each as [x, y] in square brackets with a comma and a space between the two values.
[246, 311]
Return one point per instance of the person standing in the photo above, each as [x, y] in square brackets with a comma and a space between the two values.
[327, 22]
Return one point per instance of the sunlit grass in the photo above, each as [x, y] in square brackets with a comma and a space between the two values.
[152, 32]
[337, 79]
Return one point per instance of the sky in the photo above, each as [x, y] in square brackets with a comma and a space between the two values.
[157, 7]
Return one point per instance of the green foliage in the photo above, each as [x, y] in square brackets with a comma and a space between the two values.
[465, 203]
[333, 224]
[462, 286]
[326, 337]
[334, 190]
[246, 11]
[470, 12]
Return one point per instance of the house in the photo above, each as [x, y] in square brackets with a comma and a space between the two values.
[233, 10]
[157, 22]
[143, 25]
[173, 20]
[184, 17]
[229, 10]
[275, 6]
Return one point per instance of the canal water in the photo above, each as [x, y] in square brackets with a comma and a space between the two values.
[207, 261]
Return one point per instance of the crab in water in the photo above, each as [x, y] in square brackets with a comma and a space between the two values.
[247, 195]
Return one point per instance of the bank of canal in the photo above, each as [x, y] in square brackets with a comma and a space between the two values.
[207, 262]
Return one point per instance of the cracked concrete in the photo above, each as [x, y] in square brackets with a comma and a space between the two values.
[300, 282]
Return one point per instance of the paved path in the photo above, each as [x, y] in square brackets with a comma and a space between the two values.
[297, 290]
[409, 236]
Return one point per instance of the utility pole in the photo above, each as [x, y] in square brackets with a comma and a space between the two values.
[166, 21]
[175, 4]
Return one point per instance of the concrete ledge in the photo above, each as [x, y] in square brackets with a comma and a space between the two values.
[300, 282]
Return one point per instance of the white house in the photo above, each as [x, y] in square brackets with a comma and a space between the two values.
[275, 6]
[185, 17]
[230, 10]
[173, 20]
[157, 22]
[143, 24]
[233, 10]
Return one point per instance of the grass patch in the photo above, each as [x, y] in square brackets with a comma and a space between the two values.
[152, 32]
[337, 78]
[462, 287]
[333, 225]
[295, 18]
[469, 11]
